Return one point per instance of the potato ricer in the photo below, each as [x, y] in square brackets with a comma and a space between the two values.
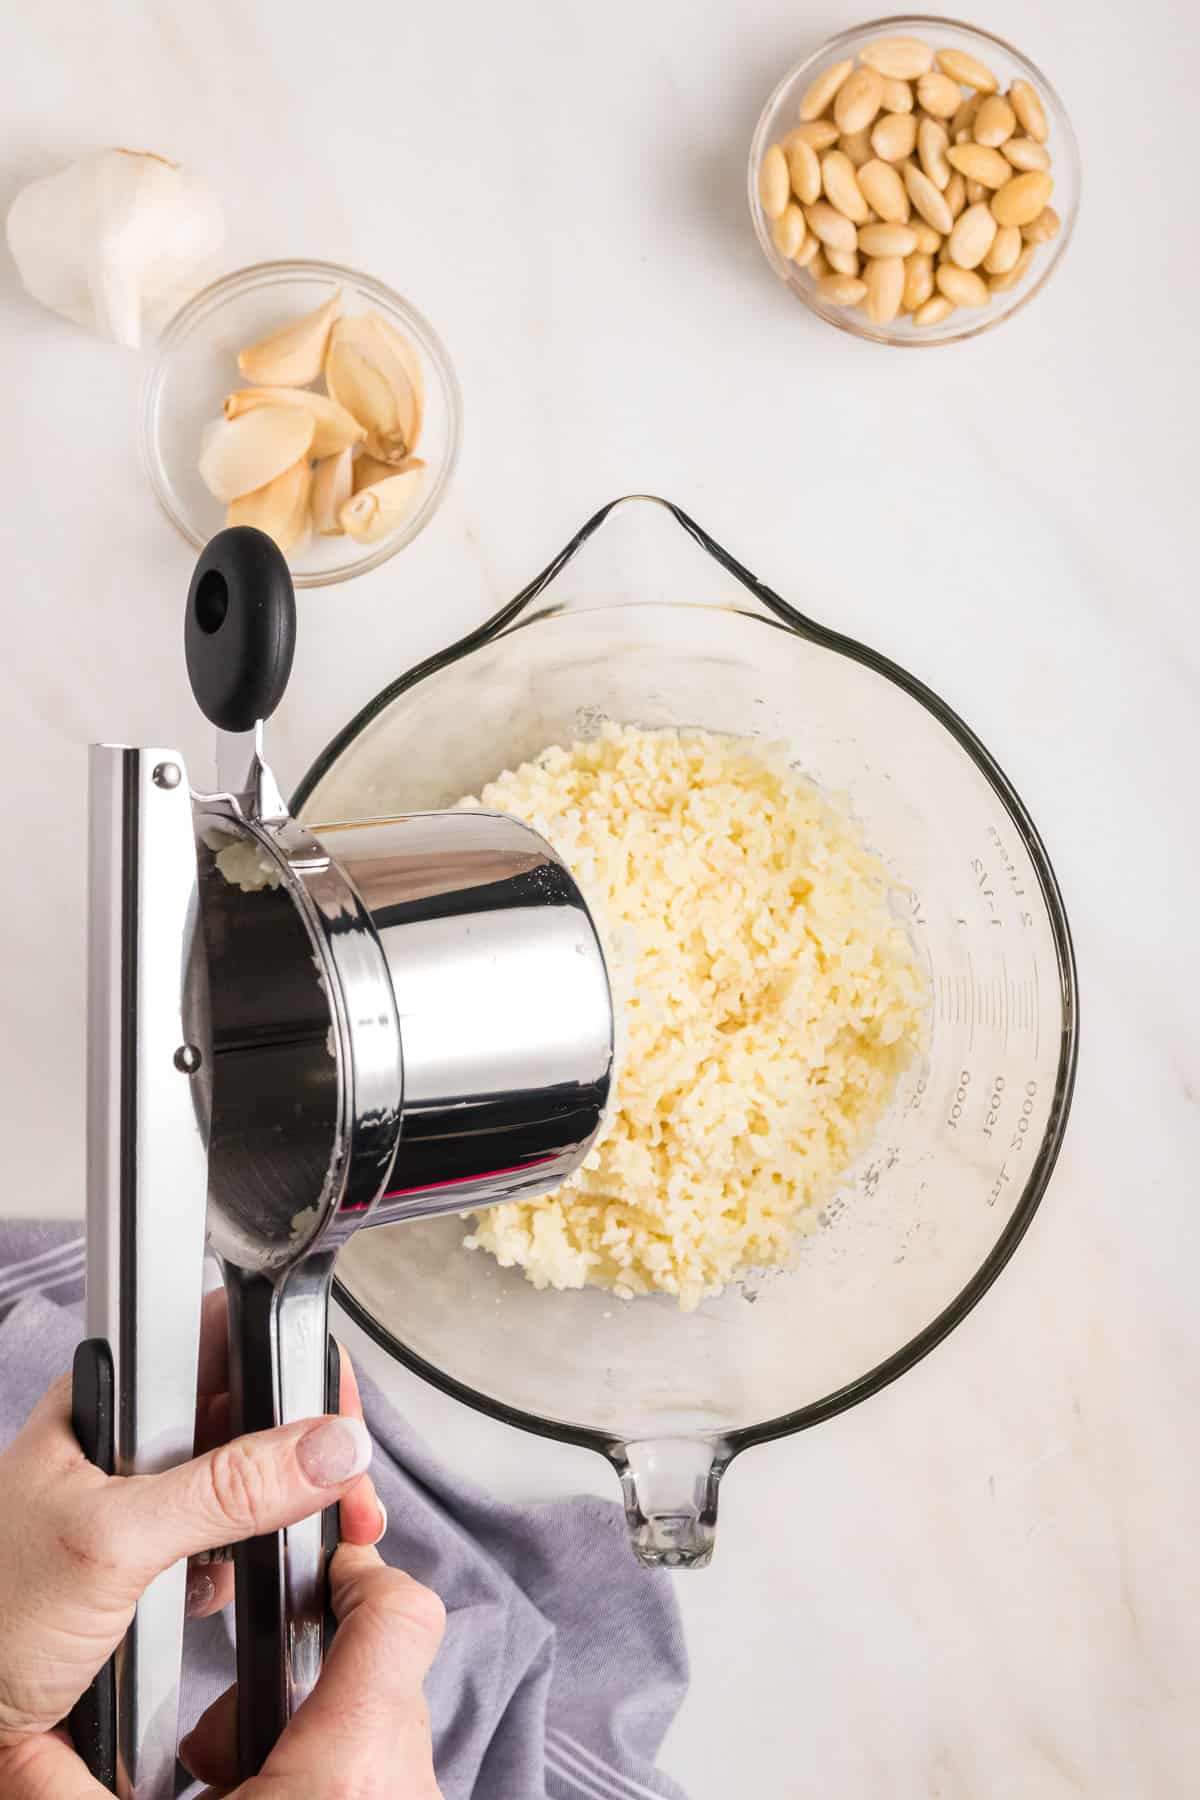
[293, 1032]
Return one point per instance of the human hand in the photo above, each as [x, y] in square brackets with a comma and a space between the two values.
[77, 1548]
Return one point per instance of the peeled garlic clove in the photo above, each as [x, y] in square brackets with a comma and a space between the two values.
[408, 355]
[239, 456]
[115, 242]
[332, 486]
[279, 507]
[376, 511]
[292, 356]
[368, 470]
[370, 370]
[334, 428]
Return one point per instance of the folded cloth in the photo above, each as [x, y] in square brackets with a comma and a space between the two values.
[563, 1662]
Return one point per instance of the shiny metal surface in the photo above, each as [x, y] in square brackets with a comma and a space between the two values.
[305, 1084]
[279, 1329]
[146, 1183]
[503, 1003]
[400, 1018]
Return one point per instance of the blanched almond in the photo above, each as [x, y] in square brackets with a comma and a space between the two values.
[818, 266]
[334, 428]
[1000, 284]
[897, 96]
[963, 123]
[975, 192]
[973, 235]
[773, 183]
[858, 99]
[884, 191]
[819, 93]
[1020, 200]
[842, 262]
[995, 121]
[918, 281]
[884, 278]
[842, 290]
[820, 133]
[810, 248]
[841, 186]
[805, 168]
[901, 58]
[894, 137]
[832, 227]
[933, 141]
[939, 95]
[280, 508]
[239, 456]
[962, 287]
[1047, 225]
[887, 240]
[933, 311]
[855, 146]
[293, 355]
[1031, 114]
[929, 241]
[1025, 153]
[956, 193]
[978, 163]
[1006, 247]
[926, 199]
[967, 69]
[788, 231]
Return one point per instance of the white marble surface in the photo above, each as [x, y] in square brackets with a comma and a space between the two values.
[986, 1582]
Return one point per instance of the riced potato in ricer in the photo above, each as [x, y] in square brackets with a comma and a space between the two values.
[767, 1004]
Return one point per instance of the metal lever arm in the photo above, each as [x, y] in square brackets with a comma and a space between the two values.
[283, 1368]
[135, 1380]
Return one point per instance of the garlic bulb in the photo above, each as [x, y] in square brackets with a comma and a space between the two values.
[115, 242]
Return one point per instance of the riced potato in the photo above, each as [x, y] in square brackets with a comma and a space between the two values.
[767, 1003]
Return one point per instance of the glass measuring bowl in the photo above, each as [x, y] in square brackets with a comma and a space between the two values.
[925, 1222]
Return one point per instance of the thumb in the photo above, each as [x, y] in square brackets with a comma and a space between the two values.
[252, 1485]
[366, 1719]
[364, 1729]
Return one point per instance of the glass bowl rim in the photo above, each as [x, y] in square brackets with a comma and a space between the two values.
[782, 614]
[270, 274]
[844, 319]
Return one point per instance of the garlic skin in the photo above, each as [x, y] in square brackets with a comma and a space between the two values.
[115, 242]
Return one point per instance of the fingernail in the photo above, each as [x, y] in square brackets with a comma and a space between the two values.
[383, 1523]
[334, 1451]
[200, 1594]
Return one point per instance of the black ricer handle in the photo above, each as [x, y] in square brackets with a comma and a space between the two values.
[93, 1720]
[240, 631]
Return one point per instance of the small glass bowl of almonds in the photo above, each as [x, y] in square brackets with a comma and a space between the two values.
[325, 392]
[915, 181]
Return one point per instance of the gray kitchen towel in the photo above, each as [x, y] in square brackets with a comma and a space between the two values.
[563, 1663]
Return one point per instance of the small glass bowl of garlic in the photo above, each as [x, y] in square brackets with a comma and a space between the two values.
[914, 181]
[308, 400]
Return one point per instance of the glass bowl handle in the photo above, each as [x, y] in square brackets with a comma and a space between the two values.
[670, 1489]
[614, 570]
